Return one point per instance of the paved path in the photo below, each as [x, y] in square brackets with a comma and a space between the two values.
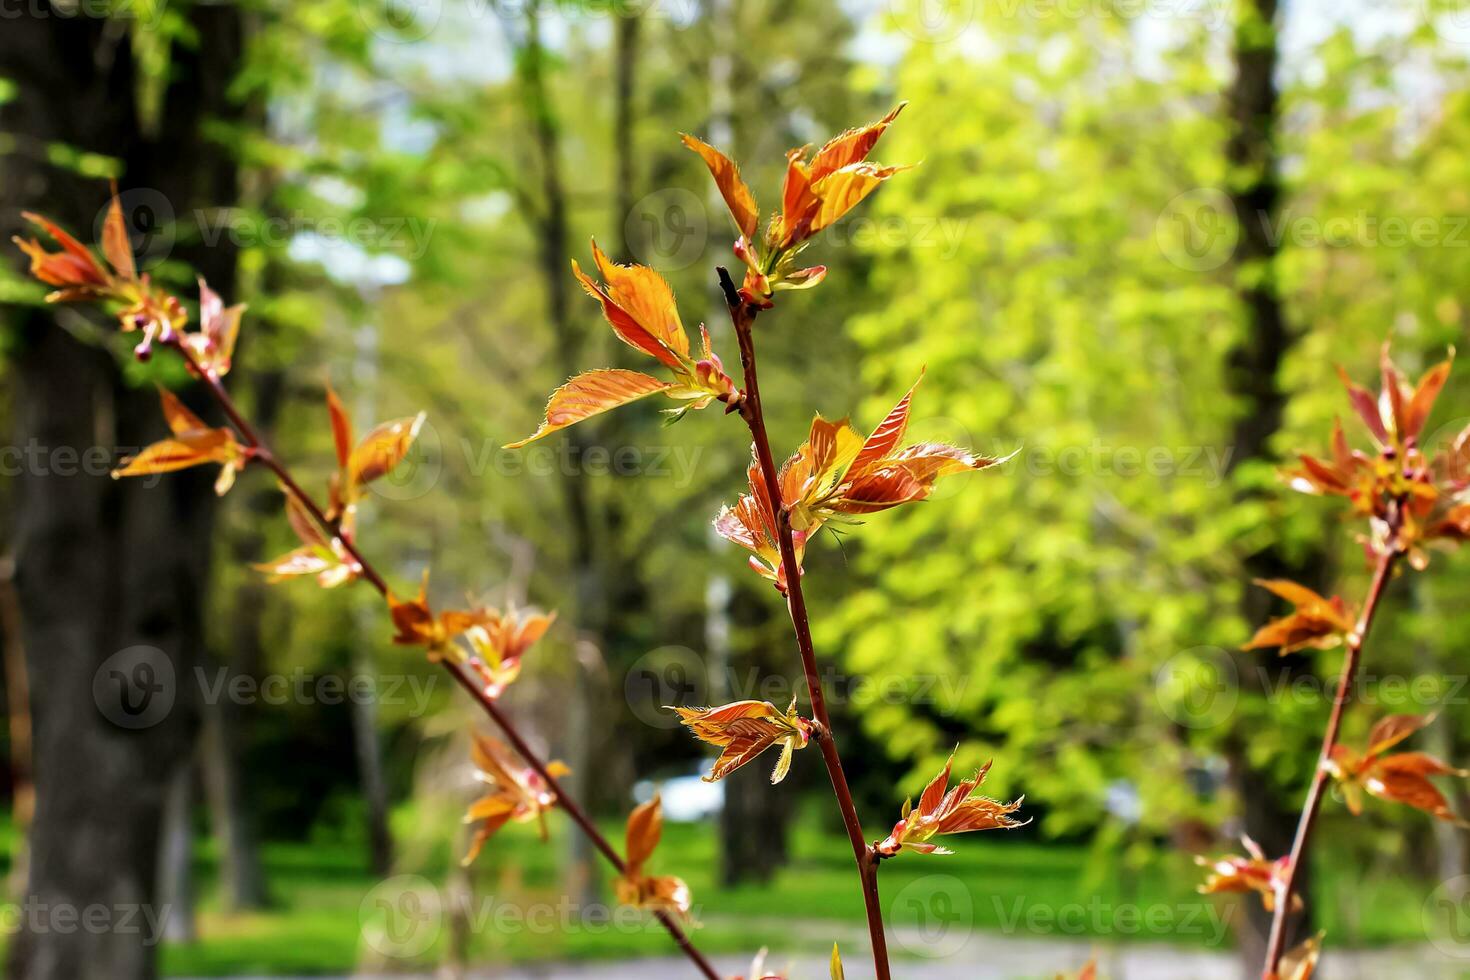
[1004, 958]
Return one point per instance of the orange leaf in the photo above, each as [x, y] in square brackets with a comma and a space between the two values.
[954, 812]
[1393, 730]
[639, 305]
[74, 267]
[382, 449]
[844, 190]
[341, 427]
[889, 433]
[219, 329]
[590, 394]
[115, 243]
[1317, 622]
[1425, 395]
[745, 729]
[1366, 406]
[852, 146]
[732, 188]
[645, 829]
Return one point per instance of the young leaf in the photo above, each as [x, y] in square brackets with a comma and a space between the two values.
[1317, 622]
[514, 793]
[953, 812]
[592, 393]
[194, 443]
[737, 195]
[636, 889]
[1248, 874]
[382, 449]
[745, 729]
[115, 243]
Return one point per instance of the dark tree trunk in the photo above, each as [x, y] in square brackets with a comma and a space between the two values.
[757, 815]
[1253, 107]
[590, 594]
[110, 574]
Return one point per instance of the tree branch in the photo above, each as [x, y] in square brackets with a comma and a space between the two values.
[1276, 946]
[742, 316]
[263, 454]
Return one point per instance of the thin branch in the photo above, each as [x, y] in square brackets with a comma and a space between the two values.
[262, 453]
[1276, 948]
[742, 316]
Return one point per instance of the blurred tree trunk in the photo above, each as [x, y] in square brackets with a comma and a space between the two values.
[1253, 108]
[104, 566]
[176, 859]
[757, 815]
[18, 709]
[589, 590]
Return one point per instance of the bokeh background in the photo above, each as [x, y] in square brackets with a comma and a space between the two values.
[1142, 234]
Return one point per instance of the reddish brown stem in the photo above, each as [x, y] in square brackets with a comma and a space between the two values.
[742, 316]
[262, 453]
[1276, 947]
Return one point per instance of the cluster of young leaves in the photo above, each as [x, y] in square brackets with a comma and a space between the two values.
[943, 811]
[639, 305]
[837, 476]
[1412, 495]
[1402, 777]
[1252, 873]
[514, 793]
[635, 887]
[815, 195]
[488, 641]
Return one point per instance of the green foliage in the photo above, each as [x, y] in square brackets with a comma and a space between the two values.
[1073, 592]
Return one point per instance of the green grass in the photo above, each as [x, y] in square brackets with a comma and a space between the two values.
[325, 902]
[995, 883]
